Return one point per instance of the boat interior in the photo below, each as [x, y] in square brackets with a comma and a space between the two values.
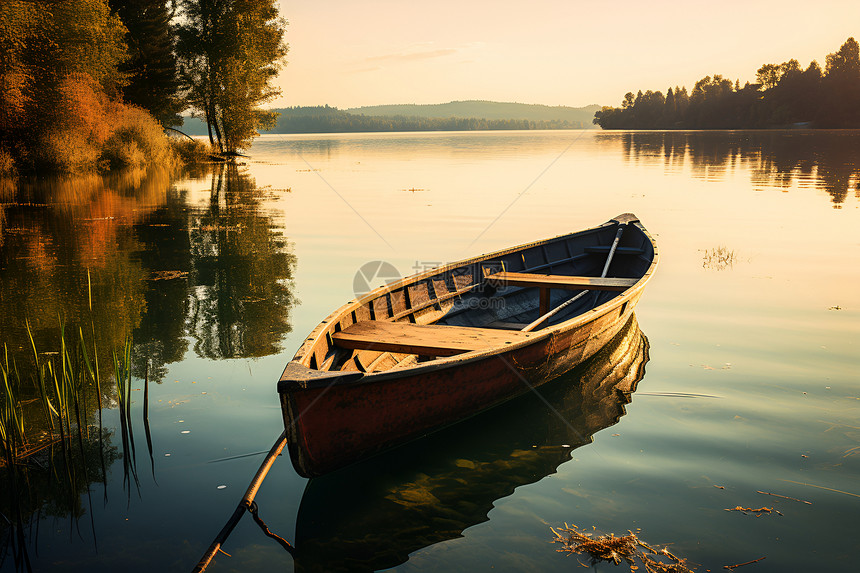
[486, 302]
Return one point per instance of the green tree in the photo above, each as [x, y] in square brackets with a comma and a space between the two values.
[846, 61]
[768, 76]
[628, 100]
[682, 102]
[229, 52]
[670, 109]
[841, 83]
[151, 67]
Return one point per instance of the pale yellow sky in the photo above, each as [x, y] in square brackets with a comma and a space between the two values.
[350, 53]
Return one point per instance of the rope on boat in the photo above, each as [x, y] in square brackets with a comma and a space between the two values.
[246, 504]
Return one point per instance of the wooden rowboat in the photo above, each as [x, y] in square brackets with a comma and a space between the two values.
[439, 346]
[385, 508]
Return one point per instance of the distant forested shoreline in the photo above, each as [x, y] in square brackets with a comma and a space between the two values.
[784, 95]
[327, 119]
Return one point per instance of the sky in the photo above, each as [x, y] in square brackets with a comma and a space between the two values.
[348, 53]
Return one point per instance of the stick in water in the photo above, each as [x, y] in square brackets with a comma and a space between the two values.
[244, 504]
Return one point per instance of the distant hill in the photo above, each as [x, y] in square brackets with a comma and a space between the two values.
[485, 110]
[453, 116]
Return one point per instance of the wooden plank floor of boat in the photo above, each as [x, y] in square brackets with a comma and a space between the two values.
[426, 340]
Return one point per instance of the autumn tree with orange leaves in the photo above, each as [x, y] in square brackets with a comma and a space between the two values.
[61, 84]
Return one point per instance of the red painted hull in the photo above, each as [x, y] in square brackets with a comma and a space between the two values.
[336, 414]
[334, 425]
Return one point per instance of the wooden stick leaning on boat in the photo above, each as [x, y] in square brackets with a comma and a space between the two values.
[566, 304]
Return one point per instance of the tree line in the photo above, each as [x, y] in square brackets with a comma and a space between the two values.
[326, 119]
[90, 84]
[783, 95]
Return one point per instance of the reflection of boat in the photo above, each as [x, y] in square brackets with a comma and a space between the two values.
[442, 345]
[375, 514]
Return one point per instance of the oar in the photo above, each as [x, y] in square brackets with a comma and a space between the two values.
[246, 503]
[566, 304]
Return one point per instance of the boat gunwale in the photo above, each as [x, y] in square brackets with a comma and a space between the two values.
[319, 378]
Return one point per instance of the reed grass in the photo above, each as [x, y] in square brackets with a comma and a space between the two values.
[11, 415]
[46, 403]
[47, 421]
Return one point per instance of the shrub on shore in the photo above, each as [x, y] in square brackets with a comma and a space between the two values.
[88, 131]
[7, 163]
[191, 151]
[137, 139]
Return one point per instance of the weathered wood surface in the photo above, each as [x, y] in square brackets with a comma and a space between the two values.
[561, 281]
[426, 340]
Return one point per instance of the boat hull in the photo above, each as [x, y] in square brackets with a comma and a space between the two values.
[383, 509]
[331, 425]
[339, 406]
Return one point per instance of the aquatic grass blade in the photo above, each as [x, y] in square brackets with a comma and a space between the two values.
[40, 378]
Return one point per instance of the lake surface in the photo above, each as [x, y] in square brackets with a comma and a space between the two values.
[741, 372]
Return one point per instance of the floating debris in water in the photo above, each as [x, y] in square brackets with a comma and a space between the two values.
[167, 275]
[731, 567]
[784, 497]
[627, 548]
[757, 512]
[718, 259]
[222, 486]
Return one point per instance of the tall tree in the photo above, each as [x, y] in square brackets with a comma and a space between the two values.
[842, 85]
[670, 109]
[151, 67]
[229, 52]
[768, 76]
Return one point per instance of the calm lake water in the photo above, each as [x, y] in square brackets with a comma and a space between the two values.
[745, 370]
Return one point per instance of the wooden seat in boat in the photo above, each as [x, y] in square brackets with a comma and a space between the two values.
[547, 282]
[561, 281]
[604, 249]
[425, 340]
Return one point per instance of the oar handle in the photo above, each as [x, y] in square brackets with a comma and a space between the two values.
[564, 305]
[612, 250]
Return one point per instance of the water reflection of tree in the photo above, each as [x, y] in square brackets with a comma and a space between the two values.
[67, 237]
[165, 253]
[241, 270]
[782, 159]
[67, 241]
[154, 267]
